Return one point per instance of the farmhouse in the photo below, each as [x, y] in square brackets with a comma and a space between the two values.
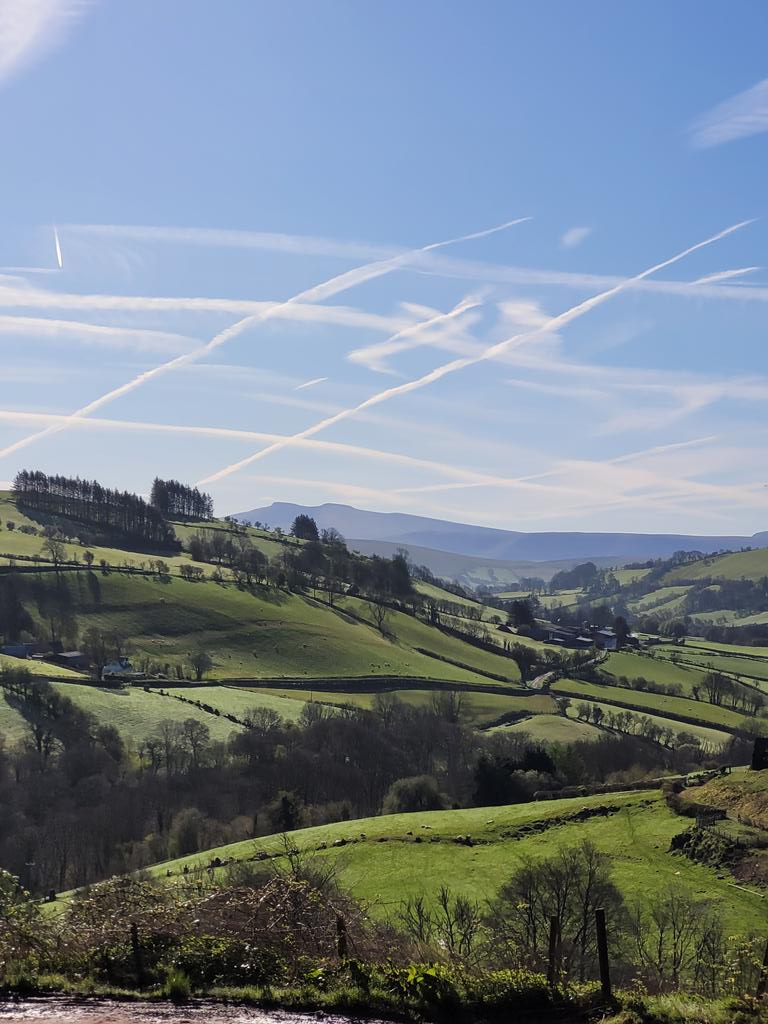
[71, 659]
[569, 636]
[119, 668]
[580, 638]
[607, 639]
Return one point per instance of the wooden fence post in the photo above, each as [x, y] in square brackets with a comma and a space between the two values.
[341, 936]
[553, 971]
[602, 954]
[762, 981]
[138, 962]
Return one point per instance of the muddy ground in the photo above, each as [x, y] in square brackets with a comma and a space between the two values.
[67, 1011]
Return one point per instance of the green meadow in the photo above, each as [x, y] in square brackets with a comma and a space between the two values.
[659, 704]
[271, 633]
[136, 713]
[748, 565]
[386, 859]
[711, 737]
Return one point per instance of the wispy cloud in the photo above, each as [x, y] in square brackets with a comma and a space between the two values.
[310, 383]
[268, 241]
[725, 275]
[491, 352]
[30, 28]
[573, 237]
[324, 290]
[449, 469]
[16, 295]
[76, 332]
[375, 356]
[742, 115]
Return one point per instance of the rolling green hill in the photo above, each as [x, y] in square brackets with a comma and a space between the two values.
[658, 670]
[698, 711]
[477, 708]
[709, 736]
[43, 669]
[269, 634]
[136, 713]
[386, 859]
[548, 729]
[748, 565]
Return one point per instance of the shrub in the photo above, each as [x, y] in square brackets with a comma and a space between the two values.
[177, 987]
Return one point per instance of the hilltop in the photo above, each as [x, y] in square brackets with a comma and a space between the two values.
[497, 545]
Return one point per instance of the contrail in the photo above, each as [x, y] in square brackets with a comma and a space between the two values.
[725, 275]
[460, 364]
[372, 356]
[332, 447]
[57, 243]
[324, 290]
[310, 383]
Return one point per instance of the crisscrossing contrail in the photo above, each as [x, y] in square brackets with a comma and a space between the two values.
[491, 352]
[324, 290]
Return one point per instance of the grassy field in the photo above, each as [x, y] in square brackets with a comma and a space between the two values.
[480, 708]
[753, 668]
[438, 594]
[553, 729]
[12, 724]
[748, 565]
[391, 864]
[713, 738]
[40, 669]
[561, 599]
[658, 670]
[700, 644]
[726, 617]
[666, 599]
[414, 633]
[235, 700]
[656, 703]
[135, 714]
[269, 635]
[626, 576]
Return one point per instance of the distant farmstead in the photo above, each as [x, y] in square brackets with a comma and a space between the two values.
[71, 659]
[120, 668]
[583, 637]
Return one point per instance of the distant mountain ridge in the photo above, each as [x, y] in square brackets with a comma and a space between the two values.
[489, 544]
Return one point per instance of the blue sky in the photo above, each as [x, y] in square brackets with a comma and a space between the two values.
[243, 194]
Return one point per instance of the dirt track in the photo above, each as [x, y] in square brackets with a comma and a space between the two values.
[64, 1011]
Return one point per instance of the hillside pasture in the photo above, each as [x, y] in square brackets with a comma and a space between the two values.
[136, 714]
[267, 634]
[656, 669]
[13, 726]
[479, 708]
[659, 704]
[753, 669]
[665, 600]
[238, 701]
[627, 576]
[712, 738]
[548, 729]
[39, 669]
[700, 644]
[413, 633]
[435, 593]
[740, 565]
[406, 855]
